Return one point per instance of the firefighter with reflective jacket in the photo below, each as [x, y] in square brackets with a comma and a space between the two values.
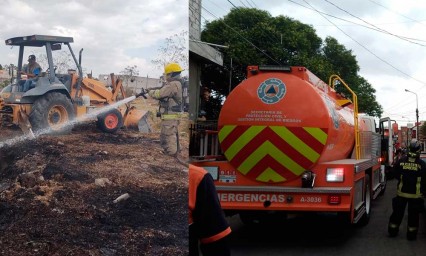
[410, 171]
[208, 228]
[170, 99]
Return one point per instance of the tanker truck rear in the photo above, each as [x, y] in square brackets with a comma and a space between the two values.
[286, 142]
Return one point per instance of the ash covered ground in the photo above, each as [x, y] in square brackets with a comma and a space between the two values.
[57, 194]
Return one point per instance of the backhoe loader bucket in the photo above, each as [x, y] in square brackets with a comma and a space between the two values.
[137, 119]
[24, 123]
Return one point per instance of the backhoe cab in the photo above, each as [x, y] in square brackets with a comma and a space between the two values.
[57, 100]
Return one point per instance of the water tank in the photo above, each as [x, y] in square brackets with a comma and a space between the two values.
[275, 125]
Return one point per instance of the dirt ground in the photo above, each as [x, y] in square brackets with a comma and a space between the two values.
[92, 193]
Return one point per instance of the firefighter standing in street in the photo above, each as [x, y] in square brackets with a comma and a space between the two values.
[170, 99]
[207, 224]
[410, 171]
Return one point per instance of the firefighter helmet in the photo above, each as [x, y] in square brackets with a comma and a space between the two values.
[415, 146]
[171, 68]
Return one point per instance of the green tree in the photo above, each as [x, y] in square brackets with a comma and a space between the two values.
[255, 37]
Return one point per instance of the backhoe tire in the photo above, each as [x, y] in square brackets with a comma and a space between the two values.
[110, 121]
[52, 113]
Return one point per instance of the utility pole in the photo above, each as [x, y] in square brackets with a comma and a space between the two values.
[417, 114]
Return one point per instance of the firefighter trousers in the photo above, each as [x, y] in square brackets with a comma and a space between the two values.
[415, 206]
[169, 136]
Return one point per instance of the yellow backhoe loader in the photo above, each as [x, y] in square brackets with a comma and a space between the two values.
[55, 101]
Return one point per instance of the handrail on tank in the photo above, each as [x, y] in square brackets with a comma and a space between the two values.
[331, 83]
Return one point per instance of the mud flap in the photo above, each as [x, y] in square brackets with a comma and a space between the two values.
[137, 119]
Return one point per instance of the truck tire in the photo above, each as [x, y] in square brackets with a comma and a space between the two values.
[382, 192]
[52, 113]
[367, 192]
[110, 121]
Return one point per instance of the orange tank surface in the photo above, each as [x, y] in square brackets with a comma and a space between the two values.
[275, 125]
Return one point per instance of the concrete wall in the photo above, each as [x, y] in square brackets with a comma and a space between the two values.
[195, 19]
[4, 75]
[138, 83]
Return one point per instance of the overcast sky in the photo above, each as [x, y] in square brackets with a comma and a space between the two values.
[114, 33]
[389, 63]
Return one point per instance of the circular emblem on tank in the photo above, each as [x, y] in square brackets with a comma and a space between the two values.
[271, 90]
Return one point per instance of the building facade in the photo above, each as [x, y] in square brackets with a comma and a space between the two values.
[135, 84]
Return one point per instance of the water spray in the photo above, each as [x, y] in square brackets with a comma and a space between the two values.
[31, 135]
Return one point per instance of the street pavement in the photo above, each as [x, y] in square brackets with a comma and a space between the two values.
[324, 235]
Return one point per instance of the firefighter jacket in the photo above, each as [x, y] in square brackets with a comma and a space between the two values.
[207, 222]
[170, 97]
[410, 171]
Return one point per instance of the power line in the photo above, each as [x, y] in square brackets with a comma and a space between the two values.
[408, 18]
[232, 3]
[253, 3]
[356, 24]
[243, 3]
[245, 39]
[368, 50]
[379, 29]
[249, 4]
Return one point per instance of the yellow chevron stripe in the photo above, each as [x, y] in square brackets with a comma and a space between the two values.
[243, 140]
[267, 148]
[296, 143]
[225, 131]
[317, 133]
[270, 175]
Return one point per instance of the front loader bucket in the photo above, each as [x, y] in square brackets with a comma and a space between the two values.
[137, 119]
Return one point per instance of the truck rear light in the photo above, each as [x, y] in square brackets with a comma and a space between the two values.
[335, 174]
[334, 199]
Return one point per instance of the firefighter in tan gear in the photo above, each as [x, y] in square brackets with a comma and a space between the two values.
[170, 99]
[410, 171]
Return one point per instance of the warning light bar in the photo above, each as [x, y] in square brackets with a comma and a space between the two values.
[275, 68]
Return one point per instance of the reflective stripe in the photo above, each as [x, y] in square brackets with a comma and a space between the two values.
[243, 140]
[270, 175]
[317, 133]
[418, 193]
[392, 225]
[272, 153]
[296, 143]
[226, 130]
[156, 94]
[173, 116]
[418, 184]
[216, 237]
[268, 148]
[411, 229]
[408, 195]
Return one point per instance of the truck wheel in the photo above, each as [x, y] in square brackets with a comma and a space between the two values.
[382, 192]
[367, 192]
[110, 121]
[52, 113]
